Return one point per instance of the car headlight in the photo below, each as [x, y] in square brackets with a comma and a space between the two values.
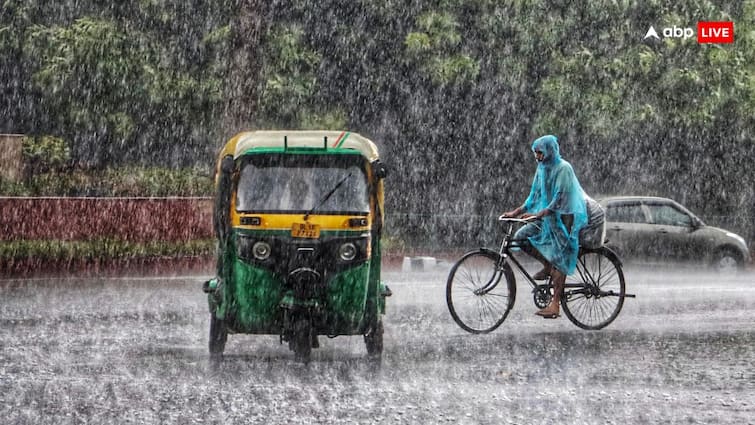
[261, 250]
[347, 251]
[737, 237]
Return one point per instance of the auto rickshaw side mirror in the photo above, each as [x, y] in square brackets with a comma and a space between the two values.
[226, 165]
[380, 169]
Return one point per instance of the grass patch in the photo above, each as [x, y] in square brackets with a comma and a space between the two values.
[55, 250]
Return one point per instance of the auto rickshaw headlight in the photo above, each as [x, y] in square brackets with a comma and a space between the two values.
[261, 250]
[347, 251]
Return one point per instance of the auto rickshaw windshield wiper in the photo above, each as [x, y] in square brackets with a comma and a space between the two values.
[327, 196]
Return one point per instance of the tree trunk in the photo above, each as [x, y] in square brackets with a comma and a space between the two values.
[241, 85]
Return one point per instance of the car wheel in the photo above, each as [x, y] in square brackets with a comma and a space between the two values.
[727, 260]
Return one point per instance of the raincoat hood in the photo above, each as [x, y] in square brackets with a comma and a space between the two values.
[548, 145]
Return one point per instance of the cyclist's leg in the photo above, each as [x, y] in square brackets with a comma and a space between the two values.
[553, 310]
[524, 244]
[558, 279]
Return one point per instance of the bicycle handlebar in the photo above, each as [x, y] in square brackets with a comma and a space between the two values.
[517, 220]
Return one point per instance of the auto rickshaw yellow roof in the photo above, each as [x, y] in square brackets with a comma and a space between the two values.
[322, 139]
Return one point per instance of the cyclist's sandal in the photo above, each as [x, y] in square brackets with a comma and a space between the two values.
[547, 314]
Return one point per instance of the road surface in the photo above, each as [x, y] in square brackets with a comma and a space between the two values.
[133, 350]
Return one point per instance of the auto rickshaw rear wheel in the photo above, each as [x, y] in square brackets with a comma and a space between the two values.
[373, 339]
[218, 336]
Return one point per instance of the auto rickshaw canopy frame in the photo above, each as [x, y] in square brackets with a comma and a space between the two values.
[281, 141]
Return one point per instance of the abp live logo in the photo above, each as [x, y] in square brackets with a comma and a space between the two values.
[715, 32]
[707, 32]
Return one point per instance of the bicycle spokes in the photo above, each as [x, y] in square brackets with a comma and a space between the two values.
[594, 293]
[479, 292]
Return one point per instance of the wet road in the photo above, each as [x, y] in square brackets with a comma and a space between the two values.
[134, 351]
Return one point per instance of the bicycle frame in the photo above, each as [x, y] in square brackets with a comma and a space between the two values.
[505, 253]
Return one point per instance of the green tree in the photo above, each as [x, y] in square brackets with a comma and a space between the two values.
[43, 154]
[290, 85]
[90, 74]
[114, 96]
[436, 49]
[248, 25]
[18, 100]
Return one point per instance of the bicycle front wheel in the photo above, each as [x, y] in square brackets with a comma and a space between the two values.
[594, 293]
[480, 291]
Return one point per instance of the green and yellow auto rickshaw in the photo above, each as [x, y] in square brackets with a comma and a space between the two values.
[298, 217]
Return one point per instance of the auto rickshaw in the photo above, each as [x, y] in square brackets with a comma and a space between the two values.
[298, 217]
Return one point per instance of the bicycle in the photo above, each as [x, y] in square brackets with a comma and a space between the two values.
[481, 287]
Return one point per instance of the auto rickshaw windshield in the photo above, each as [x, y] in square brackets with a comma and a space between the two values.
[298, 183]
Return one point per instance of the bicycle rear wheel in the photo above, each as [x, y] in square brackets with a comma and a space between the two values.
[480, 291]
[594, 293]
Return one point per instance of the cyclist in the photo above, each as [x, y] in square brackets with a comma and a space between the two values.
[557, 198]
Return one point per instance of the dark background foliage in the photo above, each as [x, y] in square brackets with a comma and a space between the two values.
[452, 91]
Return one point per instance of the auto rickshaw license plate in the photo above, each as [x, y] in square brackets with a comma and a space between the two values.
[305, 230]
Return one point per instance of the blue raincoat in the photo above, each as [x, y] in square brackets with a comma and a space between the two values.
[556, 188]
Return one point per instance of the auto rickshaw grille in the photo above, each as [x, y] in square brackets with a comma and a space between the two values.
[306, 283]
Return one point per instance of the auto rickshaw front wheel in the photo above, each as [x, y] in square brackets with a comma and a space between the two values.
[301, 339]
[218, 336]
[373, 339]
